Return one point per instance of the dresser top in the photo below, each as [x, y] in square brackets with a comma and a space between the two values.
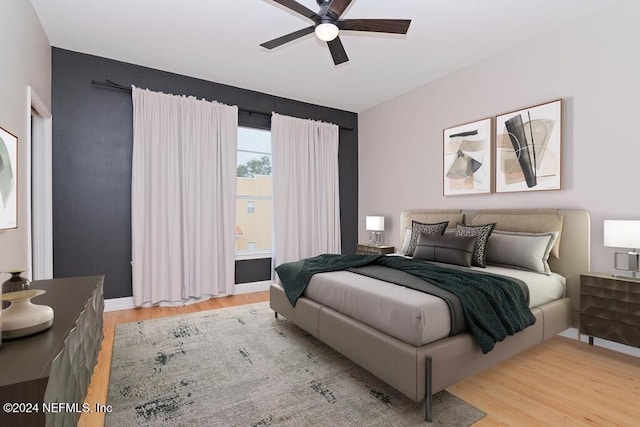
[613, 277]
[29, 358]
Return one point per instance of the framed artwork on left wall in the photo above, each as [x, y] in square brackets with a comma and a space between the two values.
[8, 180]
[467, 158]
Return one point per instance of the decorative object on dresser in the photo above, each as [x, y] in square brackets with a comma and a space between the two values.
[529, 149]
[364, 249]
[467, 158]
[8, 180]
[23, 318]
[610, 308]
[55, 366]
[14, 283]
[375, 224]
[624, 234]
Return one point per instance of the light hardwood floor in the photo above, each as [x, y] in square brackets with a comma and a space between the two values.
[560, 382]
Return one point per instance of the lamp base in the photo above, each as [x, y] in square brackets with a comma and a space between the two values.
[633, 264]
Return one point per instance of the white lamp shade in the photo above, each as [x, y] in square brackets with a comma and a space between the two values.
[375, 223]
[622, 233]
[327, 31]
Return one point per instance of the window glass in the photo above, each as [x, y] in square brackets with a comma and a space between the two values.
[254, 200]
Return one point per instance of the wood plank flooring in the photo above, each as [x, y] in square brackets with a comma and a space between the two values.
[559, 382]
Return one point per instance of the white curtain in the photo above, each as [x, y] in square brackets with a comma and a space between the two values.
[306, 194]
[183, 198]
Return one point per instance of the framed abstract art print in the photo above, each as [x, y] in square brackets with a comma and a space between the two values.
[467, 158]
[8, 180]
[529, 149]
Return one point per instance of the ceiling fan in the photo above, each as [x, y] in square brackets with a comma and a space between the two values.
[328, 24]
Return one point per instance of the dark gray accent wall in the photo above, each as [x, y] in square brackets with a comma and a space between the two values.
[92, 148]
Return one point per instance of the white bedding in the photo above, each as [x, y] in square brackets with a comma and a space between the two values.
[542, 288]
[414, 317]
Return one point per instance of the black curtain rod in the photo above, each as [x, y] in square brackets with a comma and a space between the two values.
[113, 85]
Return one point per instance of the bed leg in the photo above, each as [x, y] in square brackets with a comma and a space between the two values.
[276, 313]
[428, 398]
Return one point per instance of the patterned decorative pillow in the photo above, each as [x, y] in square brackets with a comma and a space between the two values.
[436, 229]
[482, 232]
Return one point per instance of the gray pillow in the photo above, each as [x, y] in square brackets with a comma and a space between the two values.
[529, 251]
[482, 232]
[449, 249]
[436, 229]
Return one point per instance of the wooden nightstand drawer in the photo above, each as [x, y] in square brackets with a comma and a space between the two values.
[373, 249]
[611, 330]
[610, 308]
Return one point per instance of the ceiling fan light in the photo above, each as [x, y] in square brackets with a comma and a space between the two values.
[327, 31]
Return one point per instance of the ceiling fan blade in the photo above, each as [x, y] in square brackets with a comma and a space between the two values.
[298, 8]
[337, 7]
[338, 53]
[288, 38]
[396, 26]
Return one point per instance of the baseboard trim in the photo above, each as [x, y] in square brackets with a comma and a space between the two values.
[575, 334]
[245, 288]
[115, 304]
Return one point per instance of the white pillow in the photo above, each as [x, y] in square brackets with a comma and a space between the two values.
[406, 240]
[529, 251]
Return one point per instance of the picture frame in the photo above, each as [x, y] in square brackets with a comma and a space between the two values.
[467, 159]
[528, 145]
[8, 180]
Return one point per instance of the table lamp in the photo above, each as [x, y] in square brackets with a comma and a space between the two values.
[375, 224]
[624, 234]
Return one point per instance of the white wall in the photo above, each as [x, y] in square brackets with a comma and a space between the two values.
[593, 64]
[26, 61]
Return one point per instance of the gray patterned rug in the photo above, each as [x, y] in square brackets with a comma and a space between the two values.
[240, 366]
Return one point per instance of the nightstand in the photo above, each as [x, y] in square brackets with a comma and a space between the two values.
[610, 308]
[364, 249]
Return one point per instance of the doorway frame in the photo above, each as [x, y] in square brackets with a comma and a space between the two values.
[39, 187]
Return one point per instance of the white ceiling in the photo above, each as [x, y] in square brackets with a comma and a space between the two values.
[218, 40]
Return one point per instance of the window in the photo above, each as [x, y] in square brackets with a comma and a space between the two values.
[254, 196]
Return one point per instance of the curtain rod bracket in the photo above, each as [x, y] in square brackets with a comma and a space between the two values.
[111, 84]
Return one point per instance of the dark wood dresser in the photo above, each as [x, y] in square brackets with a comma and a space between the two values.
[610, 308]
[55, 365]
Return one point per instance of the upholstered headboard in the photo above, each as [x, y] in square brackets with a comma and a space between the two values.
[571, 255]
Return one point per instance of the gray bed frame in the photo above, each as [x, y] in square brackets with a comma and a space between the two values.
[420, 372]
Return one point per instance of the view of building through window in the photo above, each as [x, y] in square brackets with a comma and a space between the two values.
[254, 200]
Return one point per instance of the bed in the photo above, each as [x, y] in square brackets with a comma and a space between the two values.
[425, 361]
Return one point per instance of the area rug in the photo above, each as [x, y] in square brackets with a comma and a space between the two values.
[240, 366]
